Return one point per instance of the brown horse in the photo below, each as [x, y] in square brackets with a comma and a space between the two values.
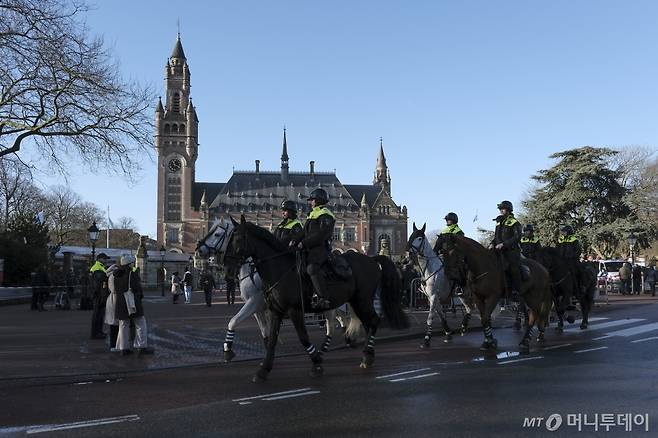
[483, 270]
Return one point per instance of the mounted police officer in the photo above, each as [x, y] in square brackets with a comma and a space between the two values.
[99, 293]
[506, 240]
[570, 249]
[289, 229]
[529, 242]
[316, 241]
[452, 227]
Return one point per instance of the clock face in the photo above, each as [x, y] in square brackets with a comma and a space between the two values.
[175, 165]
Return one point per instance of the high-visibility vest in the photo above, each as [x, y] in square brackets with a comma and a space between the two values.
[451, 229]
[98, 266]
[290, 224]
[567, 239]
[529, 240]
[509, 221]
[319, 211]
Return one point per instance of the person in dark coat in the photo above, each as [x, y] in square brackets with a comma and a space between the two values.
[229, 277]
[529, 242]
[506, 240]
[316, 242]
[289, 228]
[99, 294]
[569, 248]
[122, 280]
[208, 285]
[637, 279]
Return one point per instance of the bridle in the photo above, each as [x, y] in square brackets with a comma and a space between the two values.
[217, 248]
[419, 252]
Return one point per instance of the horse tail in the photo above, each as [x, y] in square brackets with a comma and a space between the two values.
[353, 329]
[391, 294]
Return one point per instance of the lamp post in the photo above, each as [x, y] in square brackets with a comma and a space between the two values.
[163, 251]
[632, 241]
[93, 237]
[191, 265]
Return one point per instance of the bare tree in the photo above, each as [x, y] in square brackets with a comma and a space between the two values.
[68, 216]
[18, 194]
[61, 91]
[126, 223]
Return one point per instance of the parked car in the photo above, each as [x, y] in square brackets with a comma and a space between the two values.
[609, 274]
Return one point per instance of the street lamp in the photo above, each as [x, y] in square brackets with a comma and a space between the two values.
[93, 237]
[632, 241]
[163, 251]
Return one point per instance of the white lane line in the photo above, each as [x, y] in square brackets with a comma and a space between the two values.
[556, 346]
[271, 395]
[601, 337]
[606, 324]
[590, 349]
[520, 360]
[301, 394]
[79, 424]
[645, 339]
[414, 377]
[402, 373]
[635, 330]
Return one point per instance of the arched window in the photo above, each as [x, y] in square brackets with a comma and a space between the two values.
[167, 128]
[182, 129]
[175, 104]
[174, 129]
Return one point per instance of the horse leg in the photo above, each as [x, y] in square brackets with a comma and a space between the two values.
[486, 307]
[370, 320]
[297, 318]
[467, 316]
[524, 345]
[268, 362]
[521, 315]
[342, 320]
[329, 317]
[261, 320]
[585, 308]
[428, 329]
[248, 309]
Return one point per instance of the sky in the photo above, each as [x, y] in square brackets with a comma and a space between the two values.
[470, 97]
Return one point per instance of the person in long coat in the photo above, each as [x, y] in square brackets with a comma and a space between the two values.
[123, 279]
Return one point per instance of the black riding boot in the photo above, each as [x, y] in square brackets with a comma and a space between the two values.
[318, 301]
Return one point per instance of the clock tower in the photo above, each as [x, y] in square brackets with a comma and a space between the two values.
[176, 143]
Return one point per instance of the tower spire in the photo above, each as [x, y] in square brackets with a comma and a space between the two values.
[382, 178]
[284, 158]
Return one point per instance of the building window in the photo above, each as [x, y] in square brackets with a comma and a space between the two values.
[172, 235]
[176, 103]
[167, 128]
[348, 235]
[336, 236]
[182, 129]
[174, 129]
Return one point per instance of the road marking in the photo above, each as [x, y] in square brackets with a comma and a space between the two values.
[606, 324]
[414, 377]
[271, 395]
[299, 394]
[402, 373]
[645, 339]
[590, 349]
[79, 424]
[635, 330]
[556, 346]
[520, 360]
[601, 337]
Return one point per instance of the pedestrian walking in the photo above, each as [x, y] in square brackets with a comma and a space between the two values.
[208, 285]
[230, 287]
[110, 309]
[187, 286]
[625, 278]
[652, 276]
[99, 294]
[175, 287]
[128, 288]
[637, 279]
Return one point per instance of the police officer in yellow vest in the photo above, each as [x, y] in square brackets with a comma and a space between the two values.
[289, 228]
[570, 249]
[451, 228]
[506, 240]
[99, 295]
[529, 242]
[316, 241]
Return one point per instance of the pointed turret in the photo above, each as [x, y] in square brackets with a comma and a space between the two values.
[382, 178]
[203, 205]
[159, 108]
[364, 202]
[284, 158]
[178, 52]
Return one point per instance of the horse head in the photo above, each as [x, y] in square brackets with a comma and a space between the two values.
[216, 241]
[416, 241]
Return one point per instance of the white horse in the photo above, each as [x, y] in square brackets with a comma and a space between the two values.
[251, 292]
[434, 284]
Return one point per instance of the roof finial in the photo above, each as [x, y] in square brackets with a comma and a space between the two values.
[178, 27]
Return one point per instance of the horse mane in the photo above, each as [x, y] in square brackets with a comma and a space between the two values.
[265, 235]
[472, 244]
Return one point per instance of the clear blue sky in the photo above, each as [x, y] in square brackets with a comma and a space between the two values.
[470, 96]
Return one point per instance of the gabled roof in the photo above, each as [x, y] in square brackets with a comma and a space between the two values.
[211, 190]
[357, 191]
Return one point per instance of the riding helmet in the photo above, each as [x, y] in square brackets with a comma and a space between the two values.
[289, 205]
[452, 217]
[320, 196]
[529, 228]
[566, 229]
[507, 205]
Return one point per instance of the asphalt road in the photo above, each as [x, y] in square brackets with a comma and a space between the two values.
[448, 390]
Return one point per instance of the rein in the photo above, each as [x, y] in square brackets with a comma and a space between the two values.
[418, 254]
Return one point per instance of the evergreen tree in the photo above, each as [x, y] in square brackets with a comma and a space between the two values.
[24, 247]
[583, 190]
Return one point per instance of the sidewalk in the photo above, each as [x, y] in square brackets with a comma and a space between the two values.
[56, 343]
